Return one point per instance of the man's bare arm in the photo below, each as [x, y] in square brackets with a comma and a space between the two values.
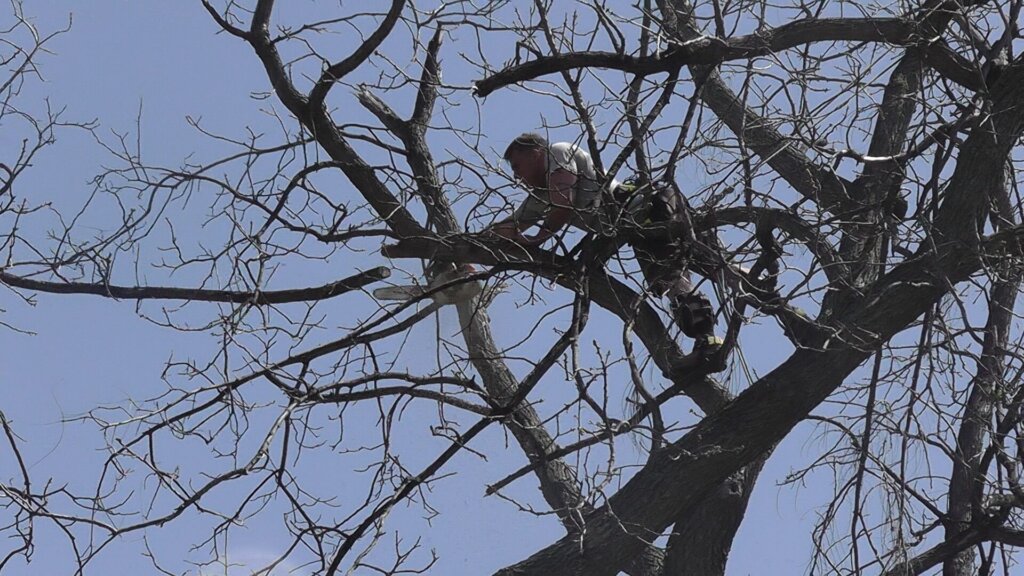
[507, 228]
[561, 195]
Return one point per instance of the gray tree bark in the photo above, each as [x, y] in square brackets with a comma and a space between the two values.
[967, 480]
[734, 437]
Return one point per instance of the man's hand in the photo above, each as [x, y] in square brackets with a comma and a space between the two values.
[506, 229]
[538, 238]
[510, 231]
[560, 197]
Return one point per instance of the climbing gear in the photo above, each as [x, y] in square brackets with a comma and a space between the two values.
[693, 314]
[653, 202]
[708, 343]
[633, 202]
[708, 350]
[657, 201]
[663, 261]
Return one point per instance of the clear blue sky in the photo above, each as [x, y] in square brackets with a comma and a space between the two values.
[164, 59]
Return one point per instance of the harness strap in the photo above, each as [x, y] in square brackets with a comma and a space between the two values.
[631, 200]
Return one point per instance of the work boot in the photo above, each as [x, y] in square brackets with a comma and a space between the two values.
[708, 353]
[693, 314]
[707, 357]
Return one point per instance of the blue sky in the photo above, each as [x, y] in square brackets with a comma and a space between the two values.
[165, 61]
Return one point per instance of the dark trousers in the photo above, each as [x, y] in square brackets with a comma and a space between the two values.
[664, 262]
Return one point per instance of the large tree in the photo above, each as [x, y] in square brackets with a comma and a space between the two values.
[851, 172]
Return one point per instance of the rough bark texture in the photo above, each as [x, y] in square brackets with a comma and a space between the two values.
[812, 125]
[702, 536]
[864, 239]
[967, 481]
[764, 414]
[739, 434]
[558, 482]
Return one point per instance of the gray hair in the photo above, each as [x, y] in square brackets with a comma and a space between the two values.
[526, 141]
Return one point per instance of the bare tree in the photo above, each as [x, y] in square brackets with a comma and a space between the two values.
[852, 176]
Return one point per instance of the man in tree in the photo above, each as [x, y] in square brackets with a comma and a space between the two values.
[564, 189]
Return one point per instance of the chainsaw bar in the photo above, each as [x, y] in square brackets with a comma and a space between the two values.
[400, 293]
[459, 292]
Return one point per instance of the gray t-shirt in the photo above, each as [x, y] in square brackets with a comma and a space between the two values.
[586, 191]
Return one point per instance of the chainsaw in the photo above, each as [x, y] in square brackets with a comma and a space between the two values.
[437, 275]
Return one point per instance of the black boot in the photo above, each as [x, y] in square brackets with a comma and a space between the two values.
[708, 353]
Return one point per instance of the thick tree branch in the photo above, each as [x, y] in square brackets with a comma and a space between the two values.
[712, 50]
[558, 482]
[817, 183]
[966, 203]
[724, 442]
[259, 298]
[412, 391]
[426, 94]
[865, 238]
[259, 39]
[702, 535]
[967, 480]
[952, 66]
[319, 123]
[261, 17]
[784, 220]
[938, 553]
[339, 70]
[727, 440]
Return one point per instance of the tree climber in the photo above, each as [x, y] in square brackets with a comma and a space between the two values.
[564, 189]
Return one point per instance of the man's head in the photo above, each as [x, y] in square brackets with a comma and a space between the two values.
[528, 157]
